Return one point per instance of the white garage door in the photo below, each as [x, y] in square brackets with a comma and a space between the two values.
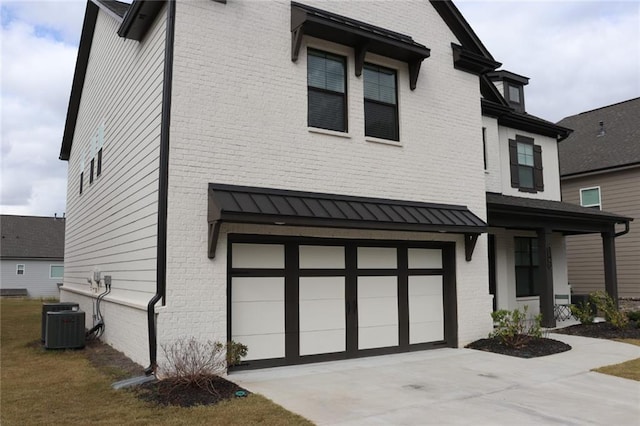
[294, 301]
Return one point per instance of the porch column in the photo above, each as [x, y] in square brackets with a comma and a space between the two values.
[546, 277]
[610, 275]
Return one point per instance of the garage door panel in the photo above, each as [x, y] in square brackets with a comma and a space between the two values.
[257, 317]
[257, 256]
[425, 285]
[252, 289]
[423, 332]
[379, 311]
[377, 337]
[262, 346]
[377, 257]
[322, 341]
[321, 257]
[318, 288]
[424, 258]
[374, 287]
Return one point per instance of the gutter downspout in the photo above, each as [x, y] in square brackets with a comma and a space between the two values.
[163, 188]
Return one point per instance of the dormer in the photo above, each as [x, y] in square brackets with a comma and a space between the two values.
[511, 86]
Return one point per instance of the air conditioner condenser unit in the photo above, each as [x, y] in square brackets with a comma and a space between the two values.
[65, 330]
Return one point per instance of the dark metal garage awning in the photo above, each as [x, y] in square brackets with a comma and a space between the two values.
[241, 204]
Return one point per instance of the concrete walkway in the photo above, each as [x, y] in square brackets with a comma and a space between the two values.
[459, 386]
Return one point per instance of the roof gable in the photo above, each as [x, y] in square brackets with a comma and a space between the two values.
[592, 147]
[32, 237]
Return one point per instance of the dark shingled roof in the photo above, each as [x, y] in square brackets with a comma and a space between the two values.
[263, 205]
[586, 149]
[32, 237]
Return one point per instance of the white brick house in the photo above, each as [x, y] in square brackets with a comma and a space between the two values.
[307, 179]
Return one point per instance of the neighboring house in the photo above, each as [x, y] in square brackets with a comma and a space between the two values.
[31, 255]
[600, 169]
[307, 179]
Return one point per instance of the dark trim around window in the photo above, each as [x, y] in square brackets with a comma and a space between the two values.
[81, 181]
[92, 167]
[316, 95]
[99, 168]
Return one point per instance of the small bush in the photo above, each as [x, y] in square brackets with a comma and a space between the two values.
[192, 363]
[633, 316]
[607, 305]
[235, 352]
[583, 312]
[514, 329]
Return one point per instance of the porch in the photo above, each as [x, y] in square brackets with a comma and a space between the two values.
[526, 247]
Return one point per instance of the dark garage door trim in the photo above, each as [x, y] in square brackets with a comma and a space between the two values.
[291, 274]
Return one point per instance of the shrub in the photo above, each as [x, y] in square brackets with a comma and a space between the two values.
[633, 316]
[583, 312]
[607, 305]
[514, 329]
[192, 363]
[235, 352]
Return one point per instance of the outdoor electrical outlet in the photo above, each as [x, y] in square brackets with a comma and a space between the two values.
[107, 280]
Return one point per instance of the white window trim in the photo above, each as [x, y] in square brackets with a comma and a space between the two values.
[55, 278]
[599, 205]
[24, 269]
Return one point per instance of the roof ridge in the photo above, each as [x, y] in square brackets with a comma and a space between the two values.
[599, 108]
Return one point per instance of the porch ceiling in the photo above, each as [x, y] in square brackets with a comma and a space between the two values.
[527, 213]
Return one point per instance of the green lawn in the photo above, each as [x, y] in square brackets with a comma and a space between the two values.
[47, 387]
[627, 370]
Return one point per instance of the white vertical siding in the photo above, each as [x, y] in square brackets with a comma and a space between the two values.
[112, 226]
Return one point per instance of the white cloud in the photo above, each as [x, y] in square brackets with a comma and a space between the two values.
[579, 55]
[36, 79]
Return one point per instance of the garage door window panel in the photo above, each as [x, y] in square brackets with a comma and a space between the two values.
[322, 315]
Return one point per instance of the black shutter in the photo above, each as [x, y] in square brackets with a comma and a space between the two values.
[513, 161]
[537, 168]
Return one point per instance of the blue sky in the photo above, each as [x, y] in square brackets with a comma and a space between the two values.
[580, 55]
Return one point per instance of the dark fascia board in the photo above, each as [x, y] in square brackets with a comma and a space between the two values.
[466, 60]
[361, 36]
[490, 92]
[139, 19]
[504, 75]
[86, 38]
[460, 27]
[509, 118]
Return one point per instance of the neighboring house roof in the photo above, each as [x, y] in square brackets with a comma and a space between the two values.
[32, 237]
[594, 147]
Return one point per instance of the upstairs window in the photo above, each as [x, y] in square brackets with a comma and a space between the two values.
[20, 269]
[327, 87]
[590, 197]
[526, 164]
[380, 103]
[515, 96]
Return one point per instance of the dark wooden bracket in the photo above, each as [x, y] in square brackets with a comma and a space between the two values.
[296, 42]
[361, 52]
[414, 71]
[470, 241]
[214, 233]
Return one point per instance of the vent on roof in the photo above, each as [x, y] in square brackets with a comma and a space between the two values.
[602, 131]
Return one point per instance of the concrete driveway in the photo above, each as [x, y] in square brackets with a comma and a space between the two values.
[459, 386]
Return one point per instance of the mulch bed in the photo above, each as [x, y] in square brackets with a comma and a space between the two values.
[535, 347]
[602, 330]
[171, 392]
[162, 392]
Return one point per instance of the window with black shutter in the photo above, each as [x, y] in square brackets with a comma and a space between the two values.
[327, 94]
[526, 164]
[380, 103]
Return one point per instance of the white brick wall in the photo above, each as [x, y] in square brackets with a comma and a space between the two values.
[230, 124]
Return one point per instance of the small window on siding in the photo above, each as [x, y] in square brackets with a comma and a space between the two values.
[590, 197]
[56, 271]
[380, 103]
[484, 146]
[20, 269]
[327, 91]
[99, 167]
[92, 167]
[81, 181]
